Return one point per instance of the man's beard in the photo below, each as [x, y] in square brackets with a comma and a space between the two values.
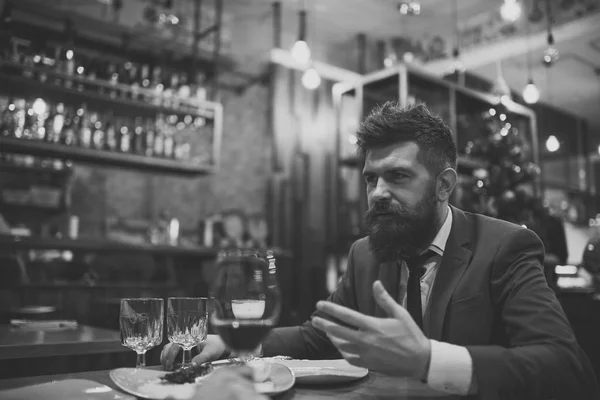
[396, 232]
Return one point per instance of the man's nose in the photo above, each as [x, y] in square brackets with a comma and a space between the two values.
[381, 190]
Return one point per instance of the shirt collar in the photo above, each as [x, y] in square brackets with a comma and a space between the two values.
[438, 245]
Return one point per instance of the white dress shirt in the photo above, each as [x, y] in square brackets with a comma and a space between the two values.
[451, 366]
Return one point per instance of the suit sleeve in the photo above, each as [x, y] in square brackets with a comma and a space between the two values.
[305, 341]
[543, 359]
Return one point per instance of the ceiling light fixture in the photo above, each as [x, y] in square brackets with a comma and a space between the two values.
[510, 10]
[300, 50]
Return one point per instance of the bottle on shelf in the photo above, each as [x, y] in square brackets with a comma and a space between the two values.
[113, 78]
[145, 81]
[69, 65]
[84, 128]
[159, 137]
[54, 124]
[8, 119]
[157, 86]
[111, 141]
[98, 136]
[149, 137]
[124, 136]
[69, 133]
[19, 118]
[138, 137]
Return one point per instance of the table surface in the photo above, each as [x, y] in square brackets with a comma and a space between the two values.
[23, 343]
[374, 386]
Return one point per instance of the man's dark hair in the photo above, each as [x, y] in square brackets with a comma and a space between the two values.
[389, 123]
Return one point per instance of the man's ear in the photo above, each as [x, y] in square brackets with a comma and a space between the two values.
[446, 182]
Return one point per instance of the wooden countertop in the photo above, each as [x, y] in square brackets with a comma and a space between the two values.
[23, 343]
[374, 386]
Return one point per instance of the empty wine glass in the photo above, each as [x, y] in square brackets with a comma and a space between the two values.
[246, 300]
[187, 323]
[141, 322]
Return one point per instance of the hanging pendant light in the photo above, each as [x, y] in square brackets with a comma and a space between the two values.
[551, 53]
[510, 10]
[311, 78]
[300, 50]
[531, 94]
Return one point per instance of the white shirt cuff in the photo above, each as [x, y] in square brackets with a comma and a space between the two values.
[450, 368]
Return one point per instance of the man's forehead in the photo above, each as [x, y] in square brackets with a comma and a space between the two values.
[393, 156]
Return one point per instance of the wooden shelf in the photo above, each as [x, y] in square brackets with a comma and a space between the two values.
[100, 157]
[98, 246]
[36, 169]
[19, 85]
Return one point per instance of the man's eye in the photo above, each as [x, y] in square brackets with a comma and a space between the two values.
[370, 179]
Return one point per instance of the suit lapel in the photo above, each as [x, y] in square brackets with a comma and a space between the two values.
[389, 275]
[454, 263]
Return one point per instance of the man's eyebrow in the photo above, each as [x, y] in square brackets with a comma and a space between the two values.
[389, 170]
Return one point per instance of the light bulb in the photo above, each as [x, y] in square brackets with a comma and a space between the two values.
[390, 60]
[301, 52]
[531, 93]
[510, 10]
[552, 144]
[39, 106]
[311, 79]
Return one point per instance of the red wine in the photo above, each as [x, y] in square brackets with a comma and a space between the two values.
[244, 335]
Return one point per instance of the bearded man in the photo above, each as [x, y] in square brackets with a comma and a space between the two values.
[454, 299]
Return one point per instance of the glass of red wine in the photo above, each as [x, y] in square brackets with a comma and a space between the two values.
[247, 302]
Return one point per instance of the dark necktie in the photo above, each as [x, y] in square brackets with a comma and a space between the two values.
[416, 269]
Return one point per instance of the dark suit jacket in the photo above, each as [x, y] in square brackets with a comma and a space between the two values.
[490, 295]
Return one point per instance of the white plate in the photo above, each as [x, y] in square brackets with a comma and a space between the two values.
[321, 372]
[145, 383]
[66, 389]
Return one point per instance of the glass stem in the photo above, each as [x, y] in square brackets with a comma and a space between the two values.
[246, 356]
[187, 357]
[141, 360]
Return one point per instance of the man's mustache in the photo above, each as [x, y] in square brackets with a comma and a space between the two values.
[385, 207]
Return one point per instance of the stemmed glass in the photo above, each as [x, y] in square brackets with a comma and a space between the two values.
[187, 323]
[141, 322]
[246, 299]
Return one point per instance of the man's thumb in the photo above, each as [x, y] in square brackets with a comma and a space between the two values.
[385, 301]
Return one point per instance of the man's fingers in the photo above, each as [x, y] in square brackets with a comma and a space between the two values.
[331, 328]
[346, 315]
[385, 301]
[168, 355]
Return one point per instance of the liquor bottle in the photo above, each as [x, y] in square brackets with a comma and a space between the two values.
[169, 135]
[55, 123]
[157, 86]
[125, 136]
[159, 138]
[113, 78]
[184, 90]
[84, 130]
[138, 138]
[19, 118]
[171, 82]
[98, 136]
[149, 138]
[69, 133]
[111, 133]
[8, 119]
[145, 81]
[133, 81]
[69, 66]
